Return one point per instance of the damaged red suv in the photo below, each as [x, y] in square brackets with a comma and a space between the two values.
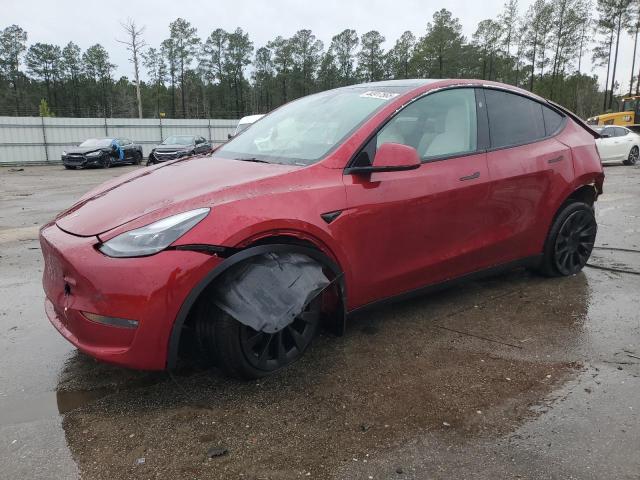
[328, 205]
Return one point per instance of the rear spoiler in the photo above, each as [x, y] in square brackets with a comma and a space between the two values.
[575, 118]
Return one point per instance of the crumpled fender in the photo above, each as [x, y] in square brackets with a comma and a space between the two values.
[298, 261]
[269, 291]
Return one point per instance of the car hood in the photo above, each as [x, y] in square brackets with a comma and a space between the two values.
[84, 150]
[169, 188]
[173, 147]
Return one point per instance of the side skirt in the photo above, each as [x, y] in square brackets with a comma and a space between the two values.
[504, 267]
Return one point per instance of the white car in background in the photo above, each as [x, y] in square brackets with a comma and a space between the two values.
[244, 123]
[618, 144]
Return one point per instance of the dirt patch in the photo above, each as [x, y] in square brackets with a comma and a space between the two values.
[321, 421]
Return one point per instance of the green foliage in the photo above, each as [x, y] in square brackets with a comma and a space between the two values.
[371, 57]
[44, 109]
[438, 53]
[223, 75]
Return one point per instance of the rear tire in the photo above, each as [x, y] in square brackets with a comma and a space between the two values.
[69, 167]
[632, 159]
[570, 241]
[137, 158]
[245, 353]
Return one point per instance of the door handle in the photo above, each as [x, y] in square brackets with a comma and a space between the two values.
[556, 159]
[473, 176]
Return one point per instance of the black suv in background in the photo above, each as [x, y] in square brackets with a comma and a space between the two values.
[177, 146]
[102, 152]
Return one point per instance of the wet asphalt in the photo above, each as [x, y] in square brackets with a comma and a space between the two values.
[515, 376]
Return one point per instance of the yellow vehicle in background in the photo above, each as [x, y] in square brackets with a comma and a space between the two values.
[629, 114]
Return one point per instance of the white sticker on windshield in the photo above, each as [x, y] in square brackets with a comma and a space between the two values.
[379, 95]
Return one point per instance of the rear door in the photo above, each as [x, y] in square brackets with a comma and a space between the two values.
[201, 145]
[125, 145]
[530, 170]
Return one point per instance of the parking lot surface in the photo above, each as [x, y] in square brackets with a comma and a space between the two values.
[515, 376]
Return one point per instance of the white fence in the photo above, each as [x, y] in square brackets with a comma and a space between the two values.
[40, 140]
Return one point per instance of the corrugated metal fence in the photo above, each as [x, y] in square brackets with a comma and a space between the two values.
[41, 140]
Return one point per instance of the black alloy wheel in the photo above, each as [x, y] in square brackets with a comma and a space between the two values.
[244, 353]
[632, 159]
[574, 242]
[106, 161]
[570, 240]
[269, 352]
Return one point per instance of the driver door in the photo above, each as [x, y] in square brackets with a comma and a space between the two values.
[423, 226]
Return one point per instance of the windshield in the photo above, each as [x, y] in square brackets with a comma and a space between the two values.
[242, 127]
[304, 131]
[629, 105]
[97, 142]
[178, 140]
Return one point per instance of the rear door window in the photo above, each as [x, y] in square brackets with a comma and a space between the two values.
[513, 119]
[552, 120]
[620, 132]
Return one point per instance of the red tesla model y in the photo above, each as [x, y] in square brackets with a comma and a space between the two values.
[328, 205]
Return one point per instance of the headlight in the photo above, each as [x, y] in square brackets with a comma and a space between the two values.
[154, 237]
[64, 153]
[94, 154]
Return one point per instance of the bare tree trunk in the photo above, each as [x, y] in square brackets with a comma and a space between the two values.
[533, 62]
[606, 83]
[633, 61]
[184, 113]
[615, 61]
[134, 44]
[137, 73]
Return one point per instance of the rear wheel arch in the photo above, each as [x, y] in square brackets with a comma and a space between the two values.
[276, 244]
[583, 194]
[586, 194]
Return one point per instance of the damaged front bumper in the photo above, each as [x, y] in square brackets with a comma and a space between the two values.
[80, 283]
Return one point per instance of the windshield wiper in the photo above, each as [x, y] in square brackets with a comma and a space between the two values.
[251, 159]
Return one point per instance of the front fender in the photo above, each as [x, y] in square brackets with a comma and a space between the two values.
[243, 255]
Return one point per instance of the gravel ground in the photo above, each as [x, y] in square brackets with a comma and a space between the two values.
[515, 376]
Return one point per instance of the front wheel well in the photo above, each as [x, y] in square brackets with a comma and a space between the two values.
[284, 240]
[183, 341]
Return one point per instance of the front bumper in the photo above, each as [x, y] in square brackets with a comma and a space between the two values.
[80, 160]
[77, 278]
[159, 156]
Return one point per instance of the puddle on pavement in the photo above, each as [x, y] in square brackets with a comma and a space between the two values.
[396, 375]
[29, 408]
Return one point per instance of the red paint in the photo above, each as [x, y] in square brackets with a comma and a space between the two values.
[398, 230]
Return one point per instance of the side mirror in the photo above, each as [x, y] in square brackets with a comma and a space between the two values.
[391, 157]
[229, 136]
[605, 135]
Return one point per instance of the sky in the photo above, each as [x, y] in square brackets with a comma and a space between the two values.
[87, 22]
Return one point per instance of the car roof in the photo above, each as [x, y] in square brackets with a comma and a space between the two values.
[419, 85]
[408, 82]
